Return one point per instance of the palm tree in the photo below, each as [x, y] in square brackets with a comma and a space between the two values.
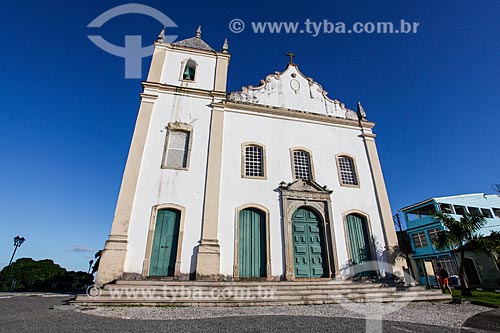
[488, 244]
[459, 235]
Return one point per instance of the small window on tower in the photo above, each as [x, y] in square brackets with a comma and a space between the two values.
[189, 71]
[177, 147]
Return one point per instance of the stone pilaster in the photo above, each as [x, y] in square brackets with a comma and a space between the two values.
[384, 206]
[208, 260]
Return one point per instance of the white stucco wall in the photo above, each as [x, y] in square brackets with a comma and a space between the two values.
[161, 186]
[278, 136]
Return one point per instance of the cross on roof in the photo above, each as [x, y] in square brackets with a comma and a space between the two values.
[291, 55]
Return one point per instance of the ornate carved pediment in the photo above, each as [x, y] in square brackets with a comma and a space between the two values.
[291, 89]
[307, 193]
[302, 185]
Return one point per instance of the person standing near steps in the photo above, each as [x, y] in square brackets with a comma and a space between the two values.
[443, 278]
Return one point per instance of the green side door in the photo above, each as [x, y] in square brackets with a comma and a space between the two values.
[308, 245]
[252, 254]
[359, 240]
[164, 251]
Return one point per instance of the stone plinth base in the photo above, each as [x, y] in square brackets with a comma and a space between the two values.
[208, 261]
[112, 261]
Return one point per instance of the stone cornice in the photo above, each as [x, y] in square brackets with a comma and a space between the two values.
[166, 88]
[276, 111]
[148, 97]
[248, 107]
[369, 135]
[190, 50]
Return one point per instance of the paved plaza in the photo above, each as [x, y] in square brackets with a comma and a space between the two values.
[44, 313]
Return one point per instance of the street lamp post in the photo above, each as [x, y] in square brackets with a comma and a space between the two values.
[18, 241]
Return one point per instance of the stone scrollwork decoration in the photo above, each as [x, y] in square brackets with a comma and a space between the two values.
[292, 90]
[349, 114]
[246, 95]
[236, 97]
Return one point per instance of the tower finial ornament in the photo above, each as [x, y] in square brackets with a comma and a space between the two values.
[198, 32]
[225, 46]
[291, 56]
[361, 112]
[161, 36]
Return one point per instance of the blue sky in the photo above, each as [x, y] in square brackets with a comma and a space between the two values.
[67, 113]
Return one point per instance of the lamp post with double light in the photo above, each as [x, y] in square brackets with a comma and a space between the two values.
[18, 241]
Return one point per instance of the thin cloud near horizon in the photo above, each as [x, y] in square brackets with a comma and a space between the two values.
[81, 248]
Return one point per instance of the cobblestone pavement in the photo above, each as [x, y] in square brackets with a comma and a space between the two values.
[49, 314]
[439, 314]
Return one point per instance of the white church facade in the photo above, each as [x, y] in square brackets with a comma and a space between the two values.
[275, 182]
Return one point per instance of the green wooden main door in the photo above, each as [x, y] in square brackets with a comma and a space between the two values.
[252, 254]
[308, 245]
[164, 251]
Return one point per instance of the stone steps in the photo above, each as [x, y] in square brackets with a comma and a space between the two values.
[255, 289]
[253, 293]
[250, 284]
[246, 282]
[260, 302]
[270, 296]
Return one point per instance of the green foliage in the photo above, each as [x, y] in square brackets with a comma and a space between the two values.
[487, 298]
[460, 235]
[489, 244]
[463, 234]
[32, 275]
[457, 233]
[27, 268]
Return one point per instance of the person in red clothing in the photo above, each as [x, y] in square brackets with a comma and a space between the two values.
[442, 275]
